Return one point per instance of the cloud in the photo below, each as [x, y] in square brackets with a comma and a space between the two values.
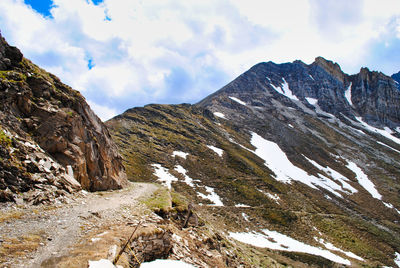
[103, 112]
[122, 53]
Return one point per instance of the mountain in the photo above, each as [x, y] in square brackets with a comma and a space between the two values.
[52, 143]
[294, 164]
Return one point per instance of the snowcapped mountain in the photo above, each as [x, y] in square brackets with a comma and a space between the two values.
[297, 164]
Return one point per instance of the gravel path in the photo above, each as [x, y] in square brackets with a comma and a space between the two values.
[65, 224]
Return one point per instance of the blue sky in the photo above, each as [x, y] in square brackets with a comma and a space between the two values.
[121, 54]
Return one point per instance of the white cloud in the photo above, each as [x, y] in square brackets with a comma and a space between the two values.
[181, 51]
[103, 112]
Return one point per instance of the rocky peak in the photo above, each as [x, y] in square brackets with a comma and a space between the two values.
[9, 55]
[330, 67]
[36, 106]
[376, 98]
[396, 77]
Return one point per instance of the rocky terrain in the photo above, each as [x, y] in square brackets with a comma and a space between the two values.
[286, 154]
[51, 141]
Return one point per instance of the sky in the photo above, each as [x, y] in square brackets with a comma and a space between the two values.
[127, 53]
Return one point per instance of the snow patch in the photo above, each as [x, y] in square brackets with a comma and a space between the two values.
[216, 150]
[381, 143]
[278, 241]
[347, 94]
[212, 196]
[334, 175]
[274, 197]
[166, 264]
[103, 263]
[237, 100]
[363, 180]
[276, 160]
[245, 216]
[284, 90]
[181, 170]
[242, 206]
[332, 247]
[312, 101]
[386, 132]
[397, 259]
[391, 206]
[218, 114]
[180, 154]
[163, 175]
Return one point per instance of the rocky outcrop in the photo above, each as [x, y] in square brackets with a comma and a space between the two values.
[38, 107]
[376, 97]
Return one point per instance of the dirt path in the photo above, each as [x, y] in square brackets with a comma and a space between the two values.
[61, 227]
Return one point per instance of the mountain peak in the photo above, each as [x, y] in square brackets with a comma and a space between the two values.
[331, 67]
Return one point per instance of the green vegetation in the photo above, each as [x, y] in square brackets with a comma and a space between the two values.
[4, 139]
[160, 200]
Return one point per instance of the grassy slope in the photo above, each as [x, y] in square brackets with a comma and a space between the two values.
[150, 135]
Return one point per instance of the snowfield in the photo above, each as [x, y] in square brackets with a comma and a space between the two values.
[216, 150]
[180, 154]
[284, 90]
[276, 160]
[218, 114]
[312, 101]
[347, 94]
[387, 132]
[212, 196]
[163, 175]
[181, 170]
[278, 241]
[238, 101]
[363, 180]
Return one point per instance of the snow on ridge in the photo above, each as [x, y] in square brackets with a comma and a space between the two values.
[312, 101]
[216, 150]
[278, 241]
[284, 90]
[347, 94]
[363, 180]
[180, 154]
[381, 143]
[238, 101]
[212, 196]
[218, 114]
[163, 175]
[181, 170]
[386, 132]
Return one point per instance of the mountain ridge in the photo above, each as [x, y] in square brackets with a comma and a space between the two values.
[284, 144]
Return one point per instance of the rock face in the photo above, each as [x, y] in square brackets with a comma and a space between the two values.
[38, 108]
[306, 151]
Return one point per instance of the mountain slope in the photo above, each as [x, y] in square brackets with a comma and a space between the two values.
[303, 150]
[51, 140]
